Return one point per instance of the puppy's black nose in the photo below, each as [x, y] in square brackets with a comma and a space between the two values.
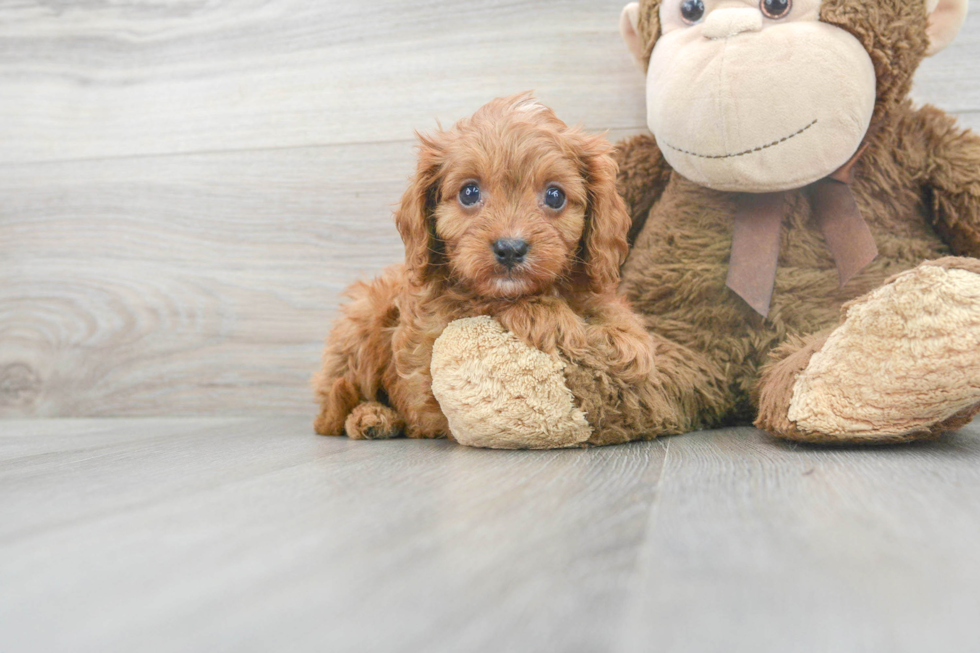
[510, 251]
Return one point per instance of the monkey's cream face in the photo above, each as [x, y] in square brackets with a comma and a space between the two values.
[757, 95]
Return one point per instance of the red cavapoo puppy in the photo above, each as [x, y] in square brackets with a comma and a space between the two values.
[511, 214]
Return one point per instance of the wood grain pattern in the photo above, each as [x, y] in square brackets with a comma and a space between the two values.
[124, 78]
[256, 535]
[760, 545]
[185, 285]
[253, 535]
[186, 187]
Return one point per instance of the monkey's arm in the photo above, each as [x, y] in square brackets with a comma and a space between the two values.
[952, 170]
[643, 175]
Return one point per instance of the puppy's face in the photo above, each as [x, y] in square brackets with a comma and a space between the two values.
[511, 201]
[512, 205]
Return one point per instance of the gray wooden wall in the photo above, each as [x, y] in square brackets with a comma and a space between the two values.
[187, 185]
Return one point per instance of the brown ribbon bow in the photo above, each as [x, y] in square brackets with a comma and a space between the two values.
[755, 237]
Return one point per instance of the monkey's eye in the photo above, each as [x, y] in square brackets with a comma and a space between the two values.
[470, 194]
[692, 11]
[776, 9]
[554, 198]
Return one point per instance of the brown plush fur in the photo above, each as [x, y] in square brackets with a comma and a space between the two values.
[918, 187]
[376, 380]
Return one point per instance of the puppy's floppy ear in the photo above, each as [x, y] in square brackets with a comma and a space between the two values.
[414, 218]
[607, 225]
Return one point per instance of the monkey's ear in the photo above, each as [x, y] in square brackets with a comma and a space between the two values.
[629, 27]
[414, 217]
[946, 17]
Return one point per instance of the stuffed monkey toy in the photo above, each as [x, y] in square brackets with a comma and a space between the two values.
[805, 240]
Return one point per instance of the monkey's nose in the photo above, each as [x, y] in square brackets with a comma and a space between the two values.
[510, 251]
[726, 23]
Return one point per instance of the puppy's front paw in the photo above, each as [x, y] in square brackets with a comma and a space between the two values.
[497, 392]
[373, 421]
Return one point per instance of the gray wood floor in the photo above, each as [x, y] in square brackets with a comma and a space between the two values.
[254, 535]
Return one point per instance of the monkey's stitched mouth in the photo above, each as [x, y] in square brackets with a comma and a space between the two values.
[752, 151]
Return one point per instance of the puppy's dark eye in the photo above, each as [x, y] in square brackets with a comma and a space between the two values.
[554, 198]
[692, 11]
[776, 9]
[470, 194]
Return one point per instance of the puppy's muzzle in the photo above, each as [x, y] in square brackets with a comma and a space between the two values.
[510, 251]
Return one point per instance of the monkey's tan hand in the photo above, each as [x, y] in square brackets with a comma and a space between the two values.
[499, 393]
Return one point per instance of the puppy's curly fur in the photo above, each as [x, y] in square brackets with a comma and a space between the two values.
[560, 298]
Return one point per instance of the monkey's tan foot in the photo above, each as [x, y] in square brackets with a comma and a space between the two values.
[904, 364]
[497, 392]
[373, 421]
